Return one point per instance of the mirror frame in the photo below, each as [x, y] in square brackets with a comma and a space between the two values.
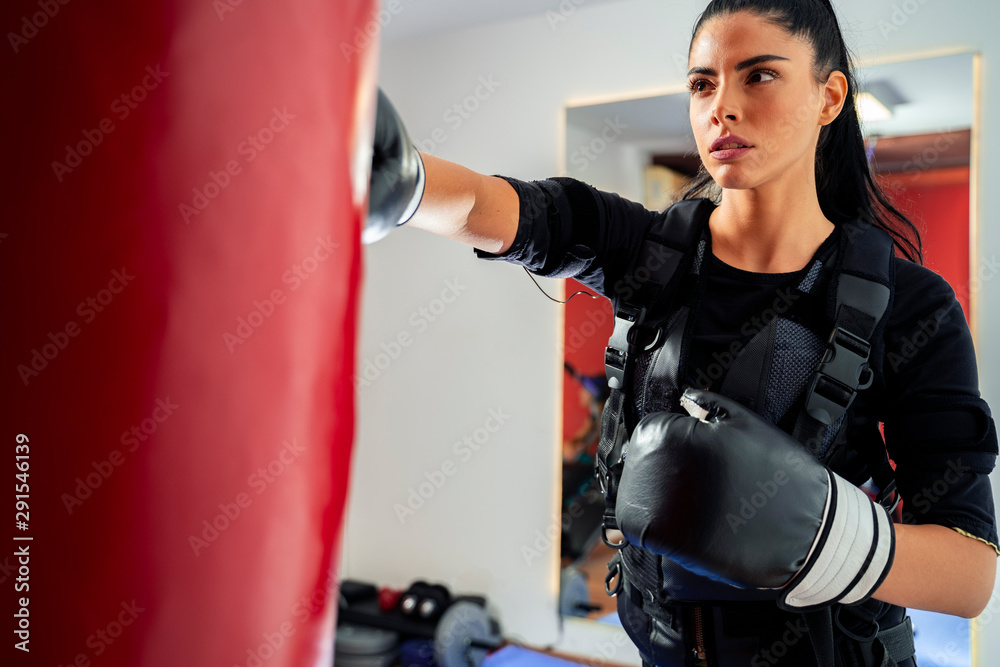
[585, 636]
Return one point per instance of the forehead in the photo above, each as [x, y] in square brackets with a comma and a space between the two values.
[727, 39]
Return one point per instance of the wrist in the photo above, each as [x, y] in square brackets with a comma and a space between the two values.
[852, 553]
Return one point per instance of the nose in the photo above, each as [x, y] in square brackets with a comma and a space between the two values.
[726, 107]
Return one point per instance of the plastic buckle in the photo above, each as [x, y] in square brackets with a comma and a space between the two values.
[616, 354]
[842, 372]
[623, 342]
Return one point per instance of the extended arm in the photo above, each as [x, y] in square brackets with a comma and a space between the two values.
[460, 204]
[408, 187]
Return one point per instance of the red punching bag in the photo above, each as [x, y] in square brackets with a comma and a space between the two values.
[180, 254]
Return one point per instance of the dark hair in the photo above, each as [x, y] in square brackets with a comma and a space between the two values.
[844, 182]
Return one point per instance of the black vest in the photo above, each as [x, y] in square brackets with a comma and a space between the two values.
[803, 380]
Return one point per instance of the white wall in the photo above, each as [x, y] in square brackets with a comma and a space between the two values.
[495, 346]
[597, 156]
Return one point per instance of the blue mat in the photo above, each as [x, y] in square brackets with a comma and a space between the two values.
[510, 656]
[941, 641]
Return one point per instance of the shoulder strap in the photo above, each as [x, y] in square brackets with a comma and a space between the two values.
[641, 298]
[861, 289]
[862, 298]
[667, 249]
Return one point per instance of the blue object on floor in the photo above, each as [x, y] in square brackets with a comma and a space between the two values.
[517, 656]
[611, 619]
[417, 653]
[941, 640]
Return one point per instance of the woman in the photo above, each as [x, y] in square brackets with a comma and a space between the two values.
[772, 110]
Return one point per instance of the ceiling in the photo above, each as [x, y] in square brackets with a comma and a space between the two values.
[427, 17]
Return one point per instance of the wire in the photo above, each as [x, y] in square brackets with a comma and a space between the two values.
[592, 296]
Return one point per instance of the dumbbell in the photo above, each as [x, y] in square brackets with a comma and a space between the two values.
[464, 635]
[424, 601]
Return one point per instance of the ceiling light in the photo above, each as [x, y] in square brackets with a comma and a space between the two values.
[871, 109]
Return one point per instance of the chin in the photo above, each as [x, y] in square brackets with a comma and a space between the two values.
[731, 181]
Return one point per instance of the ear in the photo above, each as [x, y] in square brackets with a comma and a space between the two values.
[834, 95]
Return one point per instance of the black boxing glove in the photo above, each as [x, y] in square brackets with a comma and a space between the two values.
[397, 179]
[733, 497]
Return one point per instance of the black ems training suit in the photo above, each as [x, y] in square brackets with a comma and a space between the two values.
[757, 338]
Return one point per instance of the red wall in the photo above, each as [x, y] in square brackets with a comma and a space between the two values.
[587, 327]
[937, 201]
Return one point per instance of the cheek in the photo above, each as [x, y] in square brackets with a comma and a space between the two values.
[701, 126]
[787, 123]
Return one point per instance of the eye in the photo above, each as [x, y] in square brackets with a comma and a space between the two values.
[698, 86]
[762, 76]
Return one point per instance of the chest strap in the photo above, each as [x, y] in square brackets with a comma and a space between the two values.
[641, 298]
[859, 309]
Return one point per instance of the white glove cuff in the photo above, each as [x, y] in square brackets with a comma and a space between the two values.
[852, 553]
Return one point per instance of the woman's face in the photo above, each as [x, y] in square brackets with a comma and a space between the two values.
[752, 81]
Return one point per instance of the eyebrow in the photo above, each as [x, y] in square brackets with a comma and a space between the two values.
[746, 64]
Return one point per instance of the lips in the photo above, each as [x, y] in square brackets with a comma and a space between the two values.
[730, 142]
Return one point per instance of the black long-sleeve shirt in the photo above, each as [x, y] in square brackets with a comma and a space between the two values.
[938, 431]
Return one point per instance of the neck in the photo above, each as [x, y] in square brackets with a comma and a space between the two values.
[768, 230]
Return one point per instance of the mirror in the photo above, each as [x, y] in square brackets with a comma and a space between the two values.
[643, 149]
